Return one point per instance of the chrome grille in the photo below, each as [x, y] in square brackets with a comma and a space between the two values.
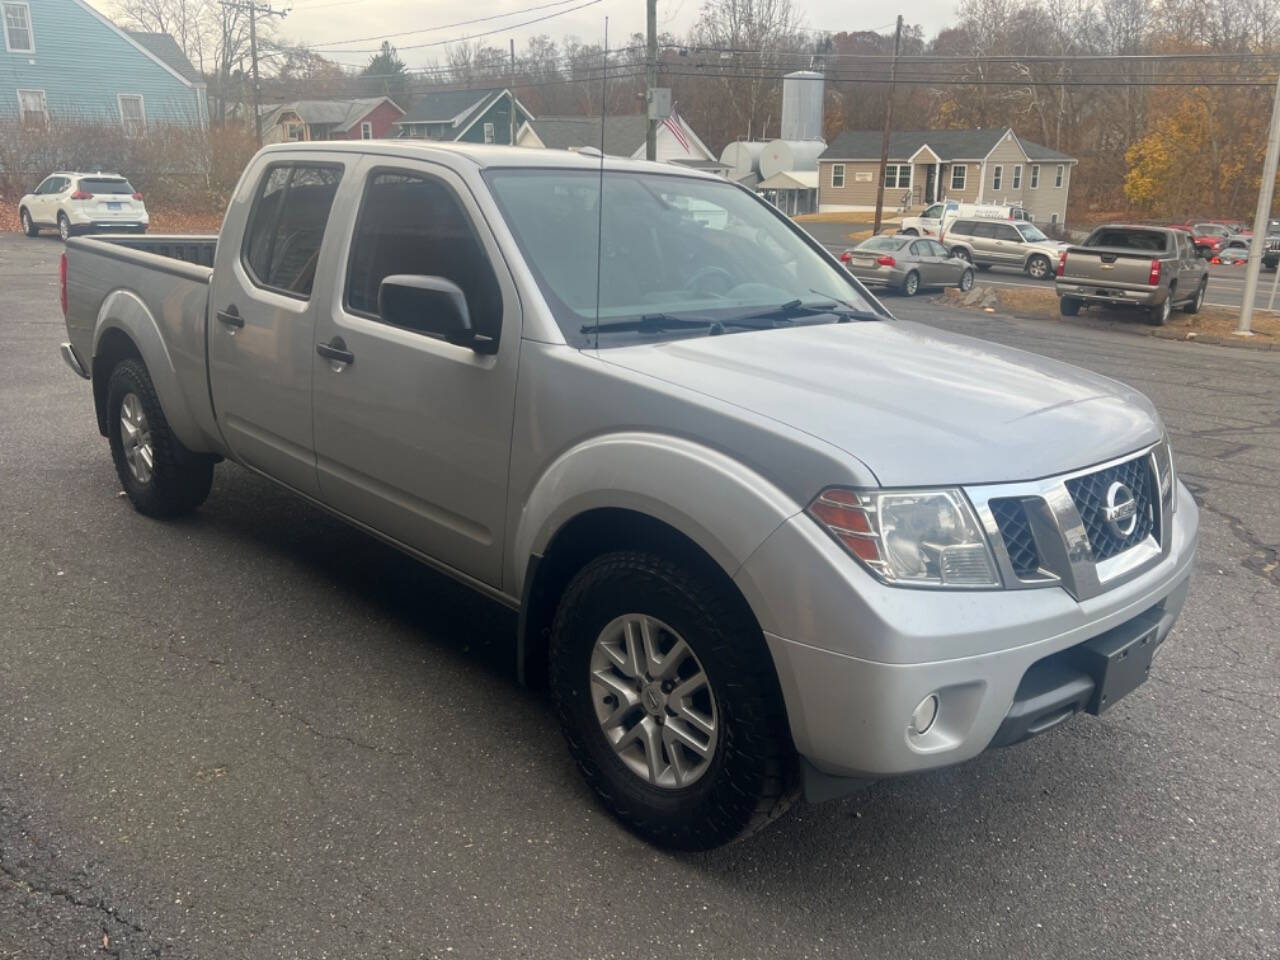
[1015, 530]
[1090, 495]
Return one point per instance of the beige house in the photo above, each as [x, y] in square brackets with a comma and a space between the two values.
[925, 166]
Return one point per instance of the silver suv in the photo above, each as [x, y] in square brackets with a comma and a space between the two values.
[1003, 243]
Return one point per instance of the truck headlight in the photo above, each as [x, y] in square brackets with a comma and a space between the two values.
[918, 538]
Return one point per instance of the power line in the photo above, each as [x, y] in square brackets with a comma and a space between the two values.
[442, 26]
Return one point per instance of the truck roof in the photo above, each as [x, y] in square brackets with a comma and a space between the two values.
[484, 155]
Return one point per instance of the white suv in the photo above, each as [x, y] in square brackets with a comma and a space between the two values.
[82, 203]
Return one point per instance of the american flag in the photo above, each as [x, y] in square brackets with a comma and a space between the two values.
[673, 124]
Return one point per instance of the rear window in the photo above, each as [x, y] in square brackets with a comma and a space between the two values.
[282, 239]
[104, 185]
[1127, 238]
[883, 243]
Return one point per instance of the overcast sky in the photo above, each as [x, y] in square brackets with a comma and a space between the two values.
[320, 21]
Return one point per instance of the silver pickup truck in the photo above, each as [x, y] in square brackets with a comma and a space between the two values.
[762, 537]
[1154, 268]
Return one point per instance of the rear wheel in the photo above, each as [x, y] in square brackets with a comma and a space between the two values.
[1069, 306]
[64, 227]
[1158, 316]
[911, 284]
[1197, 301]
[966, 281]
[961, 253]
[28, 225]
[668, 700]
[161, 477]
[1038, 267]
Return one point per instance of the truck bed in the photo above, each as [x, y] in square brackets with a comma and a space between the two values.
[197, 249]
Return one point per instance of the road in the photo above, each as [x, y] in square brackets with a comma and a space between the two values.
[1226, 283]
[256, 733]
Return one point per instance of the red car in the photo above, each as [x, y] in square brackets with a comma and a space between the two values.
[1208, 237]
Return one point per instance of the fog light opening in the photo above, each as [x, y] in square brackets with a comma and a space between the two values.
[923, 716]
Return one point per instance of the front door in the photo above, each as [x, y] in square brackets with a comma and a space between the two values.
[930, 182]
[413, 434]
[262, 321]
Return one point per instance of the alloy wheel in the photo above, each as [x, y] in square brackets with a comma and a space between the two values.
[966, 281]
[64, 229]
[135, 438]
[653, 701]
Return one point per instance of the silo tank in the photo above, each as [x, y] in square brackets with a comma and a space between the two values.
[802, 94]
[782, 156]
[742, 157]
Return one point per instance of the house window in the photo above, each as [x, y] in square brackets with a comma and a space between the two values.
[1053, 218]
[959, 173]
[133, 115]
[488, 133]
[366, 130]
[1017, 176]
[34, 108]
[837, 175]
[1035, 176]
[898, 175]
[997, 177]
[1057, 180]
[18, 37]
[293, 131]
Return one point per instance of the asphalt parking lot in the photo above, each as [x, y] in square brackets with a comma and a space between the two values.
[258, 733]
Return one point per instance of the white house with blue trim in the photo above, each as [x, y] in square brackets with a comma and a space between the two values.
[63, 61]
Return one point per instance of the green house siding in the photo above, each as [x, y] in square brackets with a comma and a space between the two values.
[499, 114]
[470, 130]
[83, 66]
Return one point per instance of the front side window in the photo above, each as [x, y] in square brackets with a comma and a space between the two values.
[34, 108]
[1057, 180]
[1032, 234]
[1017, 176]
[959, 172]
[678, 248]
[1005, 232]
[414, 224]
[997, 177]
[938, 250]
[133, 115]
[1035, 176]
[934, 212]
[286, 226]
[18, 36]
[837, 175]
[920, 249]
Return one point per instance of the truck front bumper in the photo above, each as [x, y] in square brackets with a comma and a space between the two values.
[855, 658]
[1135, 297]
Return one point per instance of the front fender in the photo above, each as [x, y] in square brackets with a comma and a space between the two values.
[723, 506]
[192, 422]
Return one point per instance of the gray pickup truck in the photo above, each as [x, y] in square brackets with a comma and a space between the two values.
[1154, 268]
[762, 537]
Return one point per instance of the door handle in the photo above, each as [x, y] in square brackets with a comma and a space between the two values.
[336, 350]
[231, 317]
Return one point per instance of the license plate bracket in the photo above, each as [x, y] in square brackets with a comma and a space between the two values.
[1119, 661]
[111, 205]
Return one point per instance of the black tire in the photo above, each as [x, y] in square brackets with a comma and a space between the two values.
[1038, 267]
[1159, 315]
[911, 284]
[750, 778]
[962, 254]
[65, 232]
[1069, 306]
[180, 480]
[910, 232]
[1195, 303]
[984, 267]
[28, 225]
[966, 280]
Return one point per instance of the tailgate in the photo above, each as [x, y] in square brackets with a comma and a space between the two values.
[1124, 268]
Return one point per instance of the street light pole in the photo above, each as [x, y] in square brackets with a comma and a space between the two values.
[888, 124]
[1261, 219]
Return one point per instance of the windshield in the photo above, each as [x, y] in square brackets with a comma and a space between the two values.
[685, 248]
[1032, 234]
[112, 185]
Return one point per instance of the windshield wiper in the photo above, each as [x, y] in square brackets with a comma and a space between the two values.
[649, 323]
[794, 309]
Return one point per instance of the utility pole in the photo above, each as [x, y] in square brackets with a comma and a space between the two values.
[255, 9]
[651, 75]
[888, 124]
[1261, 219]
[512, 91]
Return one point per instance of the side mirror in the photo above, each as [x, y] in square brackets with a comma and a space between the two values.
[430, 305]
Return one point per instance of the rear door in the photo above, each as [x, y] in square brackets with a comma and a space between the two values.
[413, 435]
[262, 317]
[1009, 249]
[983, 240]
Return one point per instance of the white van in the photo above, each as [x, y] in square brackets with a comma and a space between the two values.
[933, 221]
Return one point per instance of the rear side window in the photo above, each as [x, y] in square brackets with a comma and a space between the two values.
[984, 230]
[286, 227]
[102, 185]
[961, 228]
[414, 224]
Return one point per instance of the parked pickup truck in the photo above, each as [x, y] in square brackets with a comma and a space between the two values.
[761, 536]
[1155, 268]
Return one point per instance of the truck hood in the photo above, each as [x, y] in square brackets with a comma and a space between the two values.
[914, 404]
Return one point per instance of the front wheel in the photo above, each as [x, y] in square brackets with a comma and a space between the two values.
[1197, 301]
[960, 253]
[28, 225]
[911, 284]
[161, 477]
[1038, 268]
[669, 703]
[966, 281]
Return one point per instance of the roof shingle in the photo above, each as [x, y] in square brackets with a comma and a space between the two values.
[164, 47]
[948, 144]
